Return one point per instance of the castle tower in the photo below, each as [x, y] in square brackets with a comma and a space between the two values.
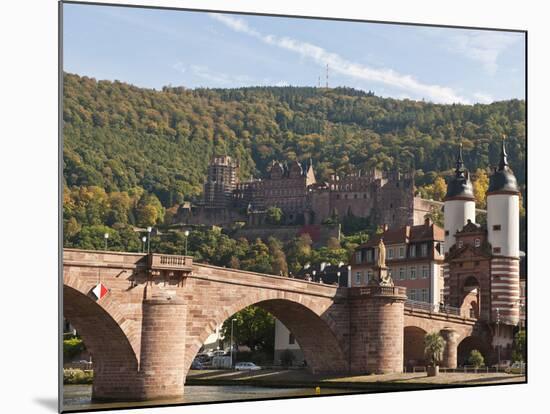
[503, 236]
[459, 201]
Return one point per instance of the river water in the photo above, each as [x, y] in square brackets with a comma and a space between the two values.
[79, 397]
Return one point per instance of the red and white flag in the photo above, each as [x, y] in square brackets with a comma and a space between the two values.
[100, 290]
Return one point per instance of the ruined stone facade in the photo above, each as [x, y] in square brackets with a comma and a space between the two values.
[384, 197]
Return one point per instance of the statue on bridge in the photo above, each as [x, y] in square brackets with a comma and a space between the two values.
[381, 271]
[381, 260]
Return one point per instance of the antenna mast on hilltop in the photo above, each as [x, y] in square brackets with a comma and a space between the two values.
[327, 78]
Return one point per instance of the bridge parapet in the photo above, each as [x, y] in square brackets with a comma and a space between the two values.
[391, 291]
[170, 262]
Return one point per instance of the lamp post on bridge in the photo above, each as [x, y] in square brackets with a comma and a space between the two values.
[106, 237]
[143, 240]
[338, 277]
[149, 230]
[231, 350]
[186, 237]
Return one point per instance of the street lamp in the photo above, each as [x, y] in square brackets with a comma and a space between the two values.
[232, 320]
[338, 277]
[349, 275]
[314, 272]
[143, 240]
[106, 237]
[149, 229]
[186, 236]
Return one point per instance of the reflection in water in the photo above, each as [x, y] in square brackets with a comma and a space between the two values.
[78, 397]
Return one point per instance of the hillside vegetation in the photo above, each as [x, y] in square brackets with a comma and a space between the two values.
[119, 137]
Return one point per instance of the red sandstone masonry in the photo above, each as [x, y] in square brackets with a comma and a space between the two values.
[143, 349]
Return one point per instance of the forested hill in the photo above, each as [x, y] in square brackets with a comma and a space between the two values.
[121, 138]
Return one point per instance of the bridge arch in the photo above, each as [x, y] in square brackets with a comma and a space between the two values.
[114, 360]
[413, 346]
[468, 344]
[308, 320]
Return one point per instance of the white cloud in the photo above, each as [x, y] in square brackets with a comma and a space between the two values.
[214, 76]
[340, 65]
[483, 47]
[483, 98]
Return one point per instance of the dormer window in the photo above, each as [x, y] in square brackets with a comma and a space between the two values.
[477, 242]
[412, 251]
[358, 257]
[369, 255]
[460, 244]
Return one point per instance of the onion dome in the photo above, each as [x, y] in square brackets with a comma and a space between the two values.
[503, 179]
[460, 185]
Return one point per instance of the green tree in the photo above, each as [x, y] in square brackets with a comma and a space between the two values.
[274, 215]
[434, 344]
[519, 352]
[253, 327]
[476, 359]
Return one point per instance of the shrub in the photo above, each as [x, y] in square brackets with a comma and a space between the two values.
[77, 376]
[72, 347]
[476, 359]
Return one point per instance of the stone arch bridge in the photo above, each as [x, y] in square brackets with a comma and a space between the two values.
[159, 310]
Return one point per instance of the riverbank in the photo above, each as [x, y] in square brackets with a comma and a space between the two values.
[365, 383]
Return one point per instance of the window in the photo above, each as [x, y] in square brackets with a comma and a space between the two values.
[460, 244]
[413, 273]
[446, 232]
[477, 242]
[424, 295]
[364, 196]
[369, 276]
[424, 249]
[369, 255]
[496, 249]
[401, 273]
[355, 196]
[424, 272]
[337, 196]
[412, 251]
[412, 294]
[401, 252]
[496, 227]
[358, 257]
[390, 253]
[291, 339]
[358, 278]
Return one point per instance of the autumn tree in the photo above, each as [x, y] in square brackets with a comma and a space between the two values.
[481, 185]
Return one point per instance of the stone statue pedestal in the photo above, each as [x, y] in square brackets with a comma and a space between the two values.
[381, 277]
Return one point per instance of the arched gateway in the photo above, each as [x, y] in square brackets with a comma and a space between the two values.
[159, 310]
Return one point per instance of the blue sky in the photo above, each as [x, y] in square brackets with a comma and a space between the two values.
[153, 48]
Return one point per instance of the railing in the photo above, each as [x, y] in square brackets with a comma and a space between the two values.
[430, 307]
[170, 262]
[383, 290]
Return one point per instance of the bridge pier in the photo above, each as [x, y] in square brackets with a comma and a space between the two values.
[451, 348]
[377, 314]
[162, 357]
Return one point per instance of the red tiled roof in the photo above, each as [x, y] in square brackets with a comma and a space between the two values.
[422, 232]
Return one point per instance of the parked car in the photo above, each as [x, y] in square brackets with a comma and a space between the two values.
[247, 366]
[196, 364]
[218, 353]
